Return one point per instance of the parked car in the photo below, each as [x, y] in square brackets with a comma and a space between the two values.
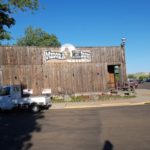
[148, 80]
[11, 98]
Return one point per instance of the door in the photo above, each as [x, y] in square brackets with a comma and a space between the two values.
[111, 77]
[5, 99]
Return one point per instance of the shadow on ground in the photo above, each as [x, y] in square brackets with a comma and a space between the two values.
[16, 129]
[108, 145]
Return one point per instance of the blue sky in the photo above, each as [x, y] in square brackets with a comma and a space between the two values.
[95, 23]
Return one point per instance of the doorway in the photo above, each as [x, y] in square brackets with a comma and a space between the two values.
[113, 77]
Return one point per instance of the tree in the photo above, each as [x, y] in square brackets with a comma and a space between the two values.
[5, 20]
[7, 7]
[131, 76]
[38, 37]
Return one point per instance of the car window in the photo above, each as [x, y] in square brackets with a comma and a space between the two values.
[5, 91]
[16, 89]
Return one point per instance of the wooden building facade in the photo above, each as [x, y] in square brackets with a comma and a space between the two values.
[66, 70]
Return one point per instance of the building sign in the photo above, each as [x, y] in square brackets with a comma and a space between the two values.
[81, 55]
[48, 55]
[67, 53]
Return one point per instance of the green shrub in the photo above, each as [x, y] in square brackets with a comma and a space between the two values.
[87, 98]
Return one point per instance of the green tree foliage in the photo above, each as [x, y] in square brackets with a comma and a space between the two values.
[139, 76]
[7, 7]
[131, 76]
[23, 4]
[38, 37]
[5, 20]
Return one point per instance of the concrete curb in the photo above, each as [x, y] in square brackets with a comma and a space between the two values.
[104, 105]
[82, 106]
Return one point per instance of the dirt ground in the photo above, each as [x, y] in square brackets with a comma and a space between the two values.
[145, 85]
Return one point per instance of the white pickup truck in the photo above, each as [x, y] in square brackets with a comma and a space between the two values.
[11, 98]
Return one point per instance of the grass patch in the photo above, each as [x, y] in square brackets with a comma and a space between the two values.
[57, 99]
[89, 98]
[114, 97]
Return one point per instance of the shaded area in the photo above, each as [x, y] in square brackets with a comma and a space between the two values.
[108, 145]
[16, 129]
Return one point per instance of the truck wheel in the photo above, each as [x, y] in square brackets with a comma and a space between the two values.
[35, 108]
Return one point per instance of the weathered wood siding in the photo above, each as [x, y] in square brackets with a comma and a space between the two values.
[24, 65]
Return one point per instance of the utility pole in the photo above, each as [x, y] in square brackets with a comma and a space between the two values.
[123, 43]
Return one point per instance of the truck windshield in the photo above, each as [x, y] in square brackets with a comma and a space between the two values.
[4, 91]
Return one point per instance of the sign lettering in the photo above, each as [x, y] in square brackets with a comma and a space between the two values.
[63, 56]
[48, 55]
